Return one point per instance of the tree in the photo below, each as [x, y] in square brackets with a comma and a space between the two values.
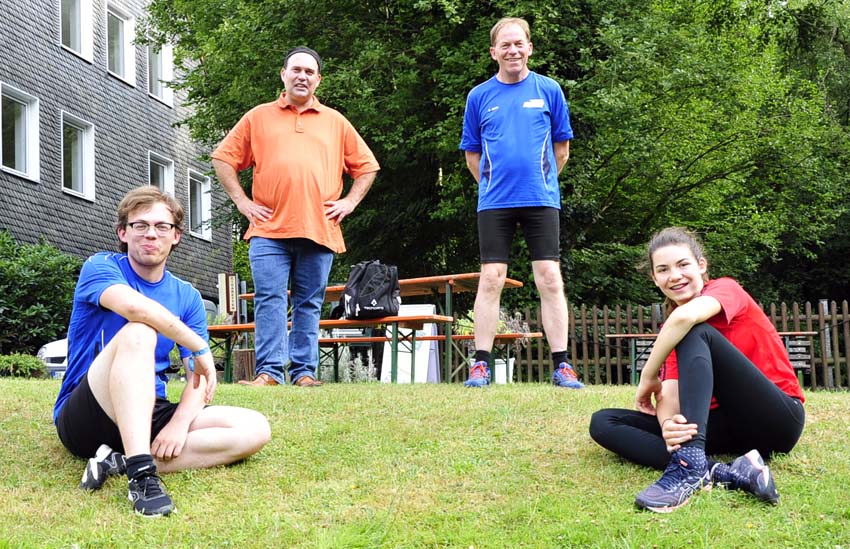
[700, 115]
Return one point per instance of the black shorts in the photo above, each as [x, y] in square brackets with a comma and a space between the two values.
[541, 226]
[83, 426]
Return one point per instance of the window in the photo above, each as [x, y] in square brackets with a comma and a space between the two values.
[77, 156]
[77, 34]
[161, 172]
[120, 53]
[19, 137]
[199, 205]
[160, 73]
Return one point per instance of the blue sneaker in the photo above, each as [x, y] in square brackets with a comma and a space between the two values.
[479, 375]
[750, 474]
[674, 488]
[565, 376]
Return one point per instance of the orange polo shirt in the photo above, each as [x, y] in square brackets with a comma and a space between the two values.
[298, 161]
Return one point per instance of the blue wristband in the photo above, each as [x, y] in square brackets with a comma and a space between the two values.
[200, 352]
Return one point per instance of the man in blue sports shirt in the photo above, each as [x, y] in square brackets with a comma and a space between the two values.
[128, 313]
[516, 137]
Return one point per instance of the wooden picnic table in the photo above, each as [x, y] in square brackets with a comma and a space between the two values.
[447, 285]
[426, 285]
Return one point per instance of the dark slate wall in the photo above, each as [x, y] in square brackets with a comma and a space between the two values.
[128, 123]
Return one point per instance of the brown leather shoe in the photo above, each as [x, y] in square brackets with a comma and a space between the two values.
[308, 381]
[262, 380]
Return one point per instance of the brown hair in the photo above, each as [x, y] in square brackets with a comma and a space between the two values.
[674, 236]
[505, 21]
[144, 198]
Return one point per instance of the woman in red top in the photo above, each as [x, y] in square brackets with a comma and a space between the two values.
[721, 381]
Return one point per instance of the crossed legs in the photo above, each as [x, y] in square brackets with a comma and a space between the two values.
[121, 378]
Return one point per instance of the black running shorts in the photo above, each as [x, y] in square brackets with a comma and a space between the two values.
[83, 426]
[540, 225]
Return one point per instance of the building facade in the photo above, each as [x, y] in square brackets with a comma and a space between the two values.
[86, 116]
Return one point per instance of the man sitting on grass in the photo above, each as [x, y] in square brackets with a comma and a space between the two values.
[128, 314]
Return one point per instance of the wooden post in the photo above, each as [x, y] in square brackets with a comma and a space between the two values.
[244, 362]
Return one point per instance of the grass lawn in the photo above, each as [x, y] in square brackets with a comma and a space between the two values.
[370, 465]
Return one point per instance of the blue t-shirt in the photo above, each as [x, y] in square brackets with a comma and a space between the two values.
[92, 326]
[513, 126]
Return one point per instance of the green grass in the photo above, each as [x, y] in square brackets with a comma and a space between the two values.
[369, 465]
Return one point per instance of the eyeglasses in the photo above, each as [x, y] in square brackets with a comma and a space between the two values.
[141, 228]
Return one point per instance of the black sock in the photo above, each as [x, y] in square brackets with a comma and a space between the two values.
[140, 465]
[482, 356]
[559, 357]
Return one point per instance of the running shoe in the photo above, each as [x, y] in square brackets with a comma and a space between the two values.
[565, 376]
[105, 463]
[750, 474]
[479, 375]
[674, 488]
[148, 496]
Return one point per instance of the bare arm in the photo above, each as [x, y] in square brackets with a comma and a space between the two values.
[675, 429]
[678, 324]
[135, 307]
[676, 327]
[230, 181]
[340, 209]
[170, 441]
[562, 154]
[473, 162]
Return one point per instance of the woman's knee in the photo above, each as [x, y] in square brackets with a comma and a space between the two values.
[600, 424]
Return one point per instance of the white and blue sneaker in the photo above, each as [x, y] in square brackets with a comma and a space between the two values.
[479, 375]
[565, 376]
[675, 487]
[105, 463]
[747, 473]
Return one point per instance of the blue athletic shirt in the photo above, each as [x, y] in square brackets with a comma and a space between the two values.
[513, 126]
[92, 326]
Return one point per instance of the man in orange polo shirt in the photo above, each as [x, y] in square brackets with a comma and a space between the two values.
[299, 150]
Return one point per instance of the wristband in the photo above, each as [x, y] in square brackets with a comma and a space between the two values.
[200, 352]
[203, 351]
[665, 421]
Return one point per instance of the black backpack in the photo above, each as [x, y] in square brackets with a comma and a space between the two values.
[371, 291]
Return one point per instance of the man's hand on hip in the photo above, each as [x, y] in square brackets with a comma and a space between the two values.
[255, 213]
[337, 210]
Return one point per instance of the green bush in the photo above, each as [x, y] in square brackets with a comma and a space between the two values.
[19, 365]
[36, 290]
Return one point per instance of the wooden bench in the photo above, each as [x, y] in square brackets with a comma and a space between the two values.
[227, 334]
[798, 345]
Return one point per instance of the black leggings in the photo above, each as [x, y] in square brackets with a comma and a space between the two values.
[752, 411]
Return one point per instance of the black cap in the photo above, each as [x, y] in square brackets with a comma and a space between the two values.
[304, 49]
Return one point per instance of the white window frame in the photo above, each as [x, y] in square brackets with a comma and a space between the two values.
[86, 30]
[168, 164]
[86, 155]
[166, 69]
[128, 48]
[206, 204]
[31, 132]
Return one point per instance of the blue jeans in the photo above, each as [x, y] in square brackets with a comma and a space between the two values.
[277, 263]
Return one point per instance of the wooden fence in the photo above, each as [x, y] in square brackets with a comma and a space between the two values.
[605, 361]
